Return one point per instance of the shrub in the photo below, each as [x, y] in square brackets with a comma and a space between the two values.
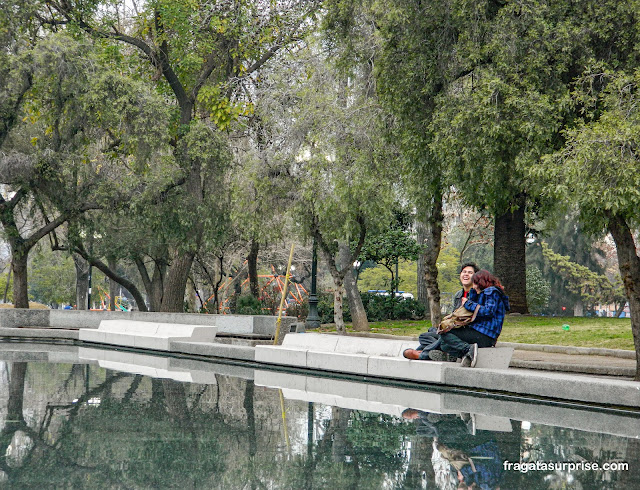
[378, 308]
[391, 308]
[248, 305]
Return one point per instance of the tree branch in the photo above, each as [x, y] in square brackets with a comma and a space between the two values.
[124, 282]
[159, 60]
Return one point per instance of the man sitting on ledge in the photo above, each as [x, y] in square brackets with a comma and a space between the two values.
[490, 306]
[430, 341]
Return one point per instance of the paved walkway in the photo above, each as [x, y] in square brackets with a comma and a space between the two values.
[574, 363]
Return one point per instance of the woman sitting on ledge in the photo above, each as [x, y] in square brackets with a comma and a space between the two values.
[491, 307]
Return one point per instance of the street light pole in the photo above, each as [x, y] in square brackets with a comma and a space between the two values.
[89, 290]
[313, 320]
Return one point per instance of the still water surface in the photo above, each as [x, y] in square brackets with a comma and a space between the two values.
[72, 417]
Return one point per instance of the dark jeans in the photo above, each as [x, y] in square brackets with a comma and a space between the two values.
[429, 341]
[457, 341]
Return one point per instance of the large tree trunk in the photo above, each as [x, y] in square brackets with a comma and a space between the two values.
[175, 283]
[432, 243]
[629, 265]
[252, 264]
[156, 289]
[338, 317]
[338, 273]
[509, 257]
[19, 258]
[153, 284]
[358, 313]
[82, 282]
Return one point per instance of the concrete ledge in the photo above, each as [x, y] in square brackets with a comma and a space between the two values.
[316, 341]
[337, 361]
[493, 358]
[296, 351]
[348, 344]
[146, 335]
[371, 347]
[234, 324]
[23, 317]
[228, 351]
[273, 354]
[39, 333]
[400, 368]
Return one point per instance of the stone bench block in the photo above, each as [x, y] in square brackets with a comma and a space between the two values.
[494, 357]
[311, 341]
[197, 334]
[227, 351]
[337, 361]
[117, 338]
[348, 344]
[373, 347]
[146, 335]
[401, 368]
[275, 354]
[91, 335]
[155, 343]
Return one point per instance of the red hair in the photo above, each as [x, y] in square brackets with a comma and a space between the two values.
[484, 279]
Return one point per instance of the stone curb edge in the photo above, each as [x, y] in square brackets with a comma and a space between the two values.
[567, 349]
[570, 368]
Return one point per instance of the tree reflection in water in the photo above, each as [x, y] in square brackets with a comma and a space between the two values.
[66, 426]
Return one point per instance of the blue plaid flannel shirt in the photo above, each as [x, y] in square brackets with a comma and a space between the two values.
[494, 305]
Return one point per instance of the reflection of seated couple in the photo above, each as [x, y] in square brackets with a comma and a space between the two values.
[462, 457]
[479, 311]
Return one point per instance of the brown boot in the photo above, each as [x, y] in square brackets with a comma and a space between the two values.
[411, 354]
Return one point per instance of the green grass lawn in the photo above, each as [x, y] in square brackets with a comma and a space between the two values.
[610, 333]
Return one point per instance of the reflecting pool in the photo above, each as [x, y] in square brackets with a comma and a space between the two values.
[74, 417]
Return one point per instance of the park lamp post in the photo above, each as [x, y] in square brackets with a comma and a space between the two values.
[313, 320]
